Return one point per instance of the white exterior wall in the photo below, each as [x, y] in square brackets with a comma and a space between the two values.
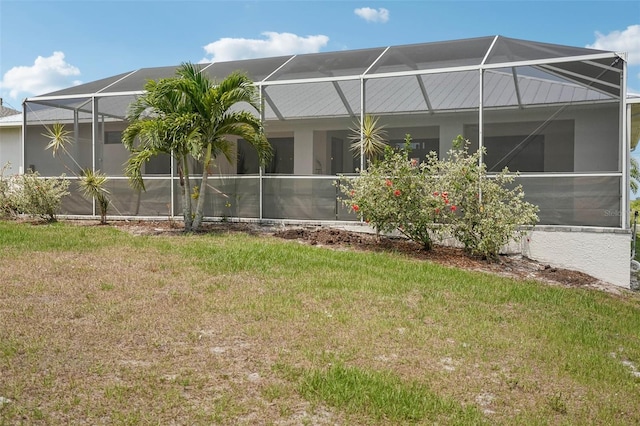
[602, 253]
[303, 152]
[602, 155]
[11, 149]
[321, 153]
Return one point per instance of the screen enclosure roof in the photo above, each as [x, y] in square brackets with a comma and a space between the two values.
[436, 76]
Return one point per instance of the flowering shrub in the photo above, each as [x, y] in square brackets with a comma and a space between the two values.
[490, 208]
[395, 194]
[39, 197]
[452, 196]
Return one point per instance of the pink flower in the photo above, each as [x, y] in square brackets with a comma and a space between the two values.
[388, 182]
[355, 207]
[445, 194]
[446, 201]
[437, 211]
[353, 193]
[397, 192]
[454, 208]
[436, 193]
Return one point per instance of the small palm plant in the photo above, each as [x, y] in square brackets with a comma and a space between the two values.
[92, 183]
[368, 138]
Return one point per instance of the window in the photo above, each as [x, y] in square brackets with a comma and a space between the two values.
[420, 148]
[112, 137]
[281, 161]
[531, 146]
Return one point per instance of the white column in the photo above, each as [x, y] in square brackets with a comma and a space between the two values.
[303, 152]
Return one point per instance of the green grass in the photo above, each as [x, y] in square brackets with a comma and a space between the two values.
[383, 396]
[226, 328]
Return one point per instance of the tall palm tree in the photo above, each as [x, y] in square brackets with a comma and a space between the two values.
[190, 117]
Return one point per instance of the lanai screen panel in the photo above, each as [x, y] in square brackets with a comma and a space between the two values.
[563, 139]
[76, 115]
[312, 100]
[351, 63]
[135, 81]
[91, 87]
[333, 92]
[430, 56]
[256, 69]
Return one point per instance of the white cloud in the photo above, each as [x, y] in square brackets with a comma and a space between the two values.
[47, 74]
[275, 44]
[373, 15]
[621, 41]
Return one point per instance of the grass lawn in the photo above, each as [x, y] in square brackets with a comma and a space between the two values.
[98, 326]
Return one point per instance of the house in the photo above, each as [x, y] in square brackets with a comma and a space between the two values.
[557, 114]
[10, 138]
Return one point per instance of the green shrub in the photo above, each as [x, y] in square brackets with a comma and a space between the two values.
[38, 197]
[491, 209]
[453, 196]
[8, 208]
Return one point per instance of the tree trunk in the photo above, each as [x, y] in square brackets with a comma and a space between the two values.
[197, 221]
[186, 195]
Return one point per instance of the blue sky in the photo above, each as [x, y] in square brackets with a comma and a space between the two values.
[48, 45]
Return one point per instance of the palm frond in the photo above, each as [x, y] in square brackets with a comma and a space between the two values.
[58, 137]
[369, 138]
[93, 183]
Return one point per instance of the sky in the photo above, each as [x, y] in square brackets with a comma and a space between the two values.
[48, 45]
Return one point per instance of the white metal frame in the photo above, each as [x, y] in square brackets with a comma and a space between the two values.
[367, 75]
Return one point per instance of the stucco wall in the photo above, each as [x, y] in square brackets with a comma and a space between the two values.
[10, 148]
[601, 253]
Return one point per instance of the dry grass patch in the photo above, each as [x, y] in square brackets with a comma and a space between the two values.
[100, 326]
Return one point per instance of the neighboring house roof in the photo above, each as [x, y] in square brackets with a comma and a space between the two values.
[14, 120]
[5, 112]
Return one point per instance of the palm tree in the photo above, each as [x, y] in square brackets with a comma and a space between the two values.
[92, 185]
[190, 117]
[91, 182]
[368, 138]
